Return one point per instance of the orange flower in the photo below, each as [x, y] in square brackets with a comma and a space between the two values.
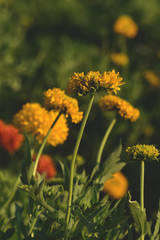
[57, 99]
[152, 78]
[116, 186]
[10, 138]
[32, 118]
[120, 59]
[124, 108]
[46, 166]
[126, 26]
[92, 82]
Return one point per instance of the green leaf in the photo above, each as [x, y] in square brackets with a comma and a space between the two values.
[65, 171]
[139, 217]
[25, 177]
[77, 190]
[90, 226]
[111, 165]
[19, 220]
[157, 226]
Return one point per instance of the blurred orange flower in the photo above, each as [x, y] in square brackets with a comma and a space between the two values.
[46, 166]
[120, 59]
[126, 26]
[10, 138]
[116, 186]
[152, 78]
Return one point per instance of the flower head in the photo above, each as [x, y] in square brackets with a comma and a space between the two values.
[10, 138]
[125, 109]
[120, 59]
[126, 26]
[46, 166]
[116, 186]
[81, 84]
[34, 119]
[152, 78]
[57, 99]
[142, 152]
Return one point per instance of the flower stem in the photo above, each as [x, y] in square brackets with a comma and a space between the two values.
[142, 194]
[104, 140]
[73, 165]
[44, 143]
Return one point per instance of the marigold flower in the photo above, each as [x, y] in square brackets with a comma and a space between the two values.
[81, 84]
[126, 26]
[46, 166]
[57, 99]
[10, 138]
[142, 152]
[120, 59]
[32, 118]
[152, 79]
[116, 186]
[125, 109]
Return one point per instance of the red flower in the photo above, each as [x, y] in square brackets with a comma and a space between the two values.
[46, 166]
[10, 138]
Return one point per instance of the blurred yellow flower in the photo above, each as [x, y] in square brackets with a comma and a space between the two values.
[120, 59]
[81, 84]
[126, 26]
[34, 119]
[142, 152]
[116, 186]
[79, 160]
[152, 79]
[125, 109]
[57, 99]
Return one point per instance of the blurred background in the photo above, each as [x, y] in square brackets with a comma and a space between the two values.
[42, 43]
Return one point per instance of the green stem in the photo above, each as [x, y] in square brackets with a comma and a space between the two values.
[122, 41]
[33, 223]
[104, 140]
[44, 143]
[142, 193]
[11, 194]
[79, 137]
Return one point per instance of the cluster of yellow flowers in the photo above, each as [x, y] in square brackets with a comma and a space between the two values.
[143, 152]
[126, 26]
[57, 99]
[125, 109]
[33, 118]
[120, 59]
[81, 84]
[151, 78]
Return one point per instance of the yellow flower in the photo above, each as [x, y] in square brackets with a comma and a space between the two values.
[142, 152]
[125, 109]
[152, 78]
[126, 26]
[57, 99]
[116, 186]
[79, 160]
[32, 118]
[120, 59]
[81, 84]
